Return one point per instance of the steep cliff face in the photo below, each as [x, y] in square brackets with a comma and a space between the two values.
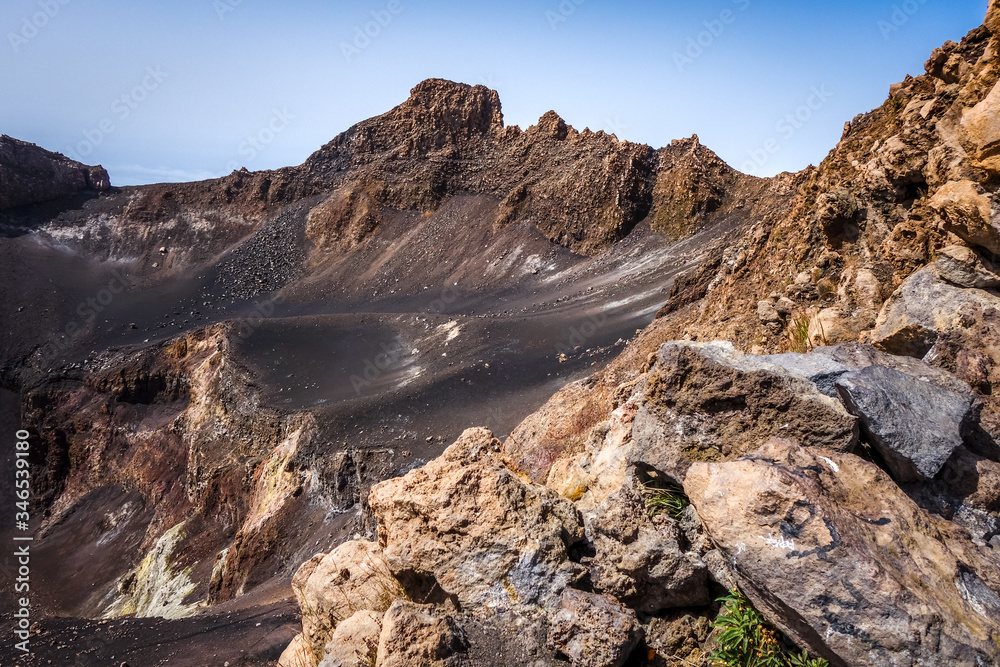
[30, 175]
[162, 458]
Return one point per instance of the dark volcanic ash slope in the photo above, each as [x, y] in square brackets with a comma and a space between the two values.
[214, 373]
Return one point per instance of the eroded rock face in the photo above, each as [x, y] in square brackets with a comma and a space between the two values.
[829, 547]
[982, 126]
[468, 524]
[355, 641]
[640, 559]
[915, 425]
[332, 587]
[29, 174]
[920, 309]
[707, 401]
[593, 630]
[416, 635]
[343, 220]
[964, 267]
[966, 211]
[971, 350]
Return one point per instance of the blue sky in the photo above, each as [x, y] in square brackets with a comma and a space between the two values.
[191, 89]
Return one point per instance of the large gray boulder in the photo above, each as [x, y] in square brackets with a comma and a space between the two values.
[963, 266]
[915, 425]
[710, 402]
[862, 355]
[820, 369]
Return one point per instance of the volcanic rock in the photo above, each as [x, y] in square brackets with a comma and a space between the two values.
[333, 587]
[466, 524]
[967, 212]
[820, 369]
[355, 641]
[827, 546]
[594, 630]
[964, 267]
[709, 402]
[29, 174]
[920, 309]
[982, 127]
[415, 635]
[640, 560]
[914, 425]
[297, 654]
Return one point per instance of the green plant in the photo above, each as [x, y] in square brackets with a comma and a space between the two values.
[748, 640]
[798, 333]
[669, 500]
[805, 660]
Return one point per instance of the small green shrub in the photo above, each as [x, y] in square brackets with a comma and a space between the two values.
[748, 640]
[669, 500]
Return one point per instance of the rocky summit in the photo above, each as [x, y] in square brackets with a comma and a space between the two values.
[457, 393]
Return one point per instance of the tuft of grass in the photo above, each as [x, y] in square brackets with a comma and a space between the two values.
[748, 640]
[668, 500]
[798, 333]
